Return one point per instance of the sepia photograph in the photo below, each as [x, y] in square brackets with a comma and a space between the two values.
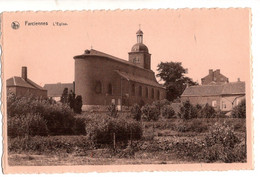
[133, 87]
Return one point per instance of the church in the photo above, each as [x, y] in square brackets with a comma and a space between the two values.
[103, 79]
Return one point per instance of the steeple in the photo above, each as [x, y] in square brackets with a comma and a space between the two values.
[139, 54]
[139, 35]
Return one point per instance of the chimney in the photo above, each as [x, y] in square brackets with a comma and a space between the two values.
[24, 72]
[238, 79]
[218, 71]
[210, 71]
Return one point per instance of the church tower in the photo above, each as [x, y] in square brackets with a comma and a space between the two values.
[139, 54]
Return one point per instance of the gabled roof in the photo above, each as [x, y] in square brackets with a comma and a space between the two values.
[56, 90]
[20, 82]
[233, 88]
[139, 79]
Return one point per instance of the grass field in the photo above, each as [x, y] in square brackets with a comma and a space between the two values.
[166, 141]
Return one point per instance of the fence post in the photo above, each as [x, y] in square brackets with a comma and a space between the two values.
[114, 140]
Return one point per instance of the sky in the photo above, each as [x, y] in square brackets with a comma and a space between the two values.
[201, 39]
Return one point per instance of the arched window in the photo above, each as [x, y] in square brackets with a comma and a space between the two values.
[146, 92]
[98, 87]
[152, 93]
[133, 89]
[140, 90]
[158, 94]
[109, 89]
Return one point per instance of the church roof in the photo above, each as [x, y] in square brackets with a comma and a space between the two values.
[93, 52]
[139, 47]
[232, 88]
[143, 80]
[139, 32]
[20, 82]
[56, 90]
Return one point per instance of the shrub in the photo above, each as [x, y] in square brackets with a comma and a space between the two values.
[112, 111]
[239, 111]
[187, 111]
[26, 125]
[150, 113]
[220, 143]
[100, 129]
[79, 127]
[161, 103]
[208, 111]
[58, 117]
[136, 112]
[78, 104]
[168, 111]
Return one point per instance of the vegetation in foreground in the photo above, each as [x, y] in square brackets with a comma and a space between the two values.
[155, 133]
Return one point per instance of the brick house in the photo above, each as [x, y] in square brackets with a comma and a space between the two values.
[23, 86]
[214, 77]
[55, 90]
[222, 97]
[102, 79]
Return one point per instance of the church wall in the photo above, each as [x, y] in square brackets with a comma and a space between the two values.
[94, 69]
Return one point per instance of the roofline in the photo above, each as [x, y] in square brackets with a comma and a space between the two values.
[106, 57]
[27, 87]
[215, 95]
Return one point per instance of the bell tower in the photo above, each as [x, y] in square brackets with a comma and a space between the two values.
[139, 54]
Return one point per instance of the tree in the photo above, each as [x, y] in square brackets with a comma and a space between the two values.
[175, 81]
[239, 111]
[65, 96]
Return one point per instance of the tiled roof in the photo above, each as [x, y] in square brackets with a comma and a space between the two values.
[139, 79]
[55, 90]
[215, 90]
[20, 82]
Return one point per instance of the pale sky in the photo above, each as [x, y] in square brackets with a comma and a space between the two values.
[201, 39]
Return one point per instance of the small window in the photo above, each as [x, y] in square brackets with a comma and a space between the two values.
[136, 60]
[224, 106]
[109, 89]
[214, 103]
[140, 90]
[158, 95]
[133, 89]
[152, 93]
[146, 92]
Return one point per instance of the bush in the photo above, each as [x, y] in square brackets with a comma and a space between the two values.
[168, 111]
[221, 143]
[112, 111]
[187, 111]
[136, 112]
[208, 111]
[150, 113]
[100, 129]
[78, 104]
[239, 111]
[26, 125]
[79, 127]
[58, 117]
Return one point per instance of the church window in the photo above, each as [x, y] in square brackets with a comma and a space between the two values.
[140, 90]
[158, 95]
[98, 87]
[133, 89]
[109, 89]
[136, 60]
[152, 93]
[146, 92]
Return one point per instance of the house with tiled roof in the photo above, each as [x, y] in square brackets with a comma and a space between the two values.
[24, 87]
[214, 77]
[55, 90]
[222, 97]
